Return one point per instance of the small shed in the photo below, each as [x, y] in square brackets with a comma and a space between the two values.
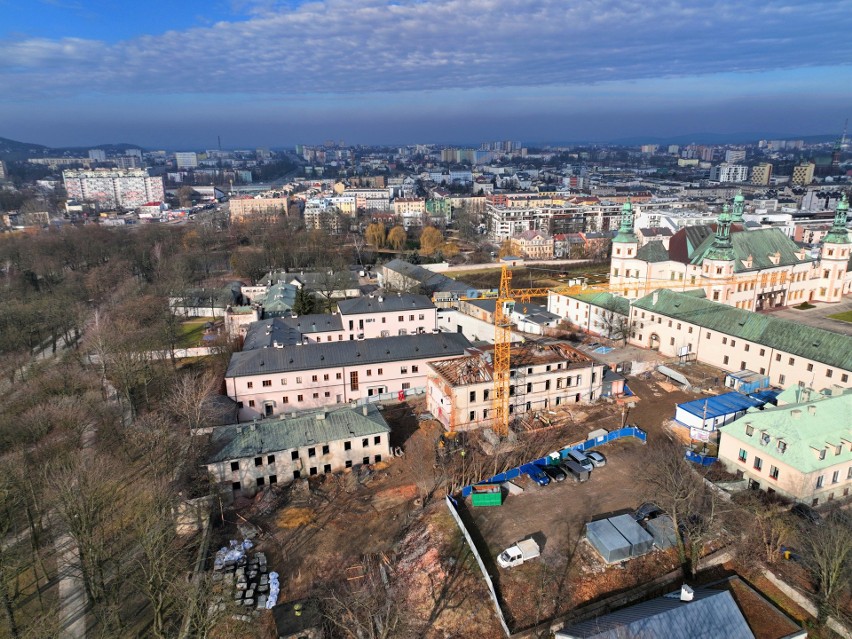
[487, 495]
[712, 412]
[606, 539]
[662, 530]
[640, 541]
[746, 382]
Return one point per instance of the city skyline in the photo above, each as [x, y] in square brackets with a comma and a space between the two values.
[267, 73]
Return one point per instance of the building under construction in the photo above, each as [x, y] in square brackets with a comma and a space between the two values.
[541, 376]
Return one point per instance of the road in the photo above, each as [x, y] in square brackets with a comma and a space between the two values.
[496, 265]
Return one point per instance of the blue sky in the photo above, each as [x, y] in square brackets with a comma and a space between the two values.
[266, 72]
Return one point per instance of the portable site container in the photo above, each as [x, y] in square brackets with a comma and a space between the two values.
[640, 541]
[606, 539]
[491, 495]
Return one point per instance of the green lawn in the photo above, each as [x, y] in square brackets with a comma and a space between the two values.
[843, 317]
[191, 331]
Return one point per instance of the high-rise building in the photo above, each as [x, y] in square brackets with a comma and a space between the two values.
[98, 155]
[803, 174]
[2, 170]
[732, 156]
[761, 174]
[729, 173]
[113, 188]
[186, 160]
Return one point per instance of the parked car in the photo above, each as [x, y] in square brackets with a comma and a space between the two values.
[596, 458]
[554, 472]
[539, 477]
[803, 511]
[581, 458]
[647, 511]
[573, 469]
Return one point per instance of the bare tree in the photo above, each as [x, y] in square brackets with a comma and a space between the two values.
[188, 399]
[827, 553]
[366, 608]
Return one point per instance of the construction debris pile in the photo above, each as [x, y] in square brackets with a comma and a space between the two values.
[253, 586]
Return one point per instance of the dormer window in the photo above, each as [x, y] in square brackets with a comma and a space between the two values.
[821, 454]
[764, 439]
[749, 430]
[782, 446]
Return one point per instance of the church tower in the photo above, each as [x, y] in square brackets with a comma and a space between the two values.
[834, 256]
[626, 272]
[738, 209]
[718, 262]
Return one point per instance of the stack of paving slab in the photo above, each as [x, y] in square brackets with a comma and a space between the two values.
[246, 572]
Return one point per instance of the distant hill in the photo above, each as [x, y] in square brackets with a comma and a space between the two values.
[120, 147]
[720, 138]
[8, 146]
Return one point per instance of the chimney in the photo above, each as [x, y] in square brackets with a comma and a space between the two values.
[655, 298]
[795, 413]
[321, 415]
[686, 593]
[365, 409]
[812, 410]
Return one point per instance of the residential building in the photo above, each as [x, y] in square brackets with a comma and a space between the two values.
[678, 324]
[602, 314]
[533, 245]
[803, 174]
[246, 458]
[243, 207]
[186, 160]
[801, 448]
[459, 390]
[270, 381]
[399, 275]
[2, 170]
[388, 315]
[98, 155]
[732, 156]
[409, 207]
[113, 188]
[729, 173]
[753, 270]
[761, 175]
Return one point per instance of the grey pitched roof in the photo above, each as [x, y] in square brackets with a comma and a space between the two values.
[286, 331]
[712, 614]
[432, 282]
[239, 441]
[382, 304]
[347, 353]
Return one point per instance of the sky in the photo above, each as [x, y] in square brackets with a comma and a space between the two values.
[178, 73]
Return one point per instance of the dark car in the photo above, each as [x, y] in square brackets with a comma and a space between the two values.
[539, 477]
[806, 513]
[647, 511]
[554, 472]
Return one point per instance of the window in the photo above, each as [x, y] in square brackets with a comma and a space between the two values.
[486, 394]
[829, 373]
[810, 367]
[347, 445]
[348, 463]
[312, 452]
[377, 439]
[403, 370]
[326, 468]
[366, 460]
[325, 377]
[260, 481]
[353, 380]
[379, 371]
[312, 471]
[235, 465]
[764, 439]
[725, 360]
[338, 376]
[791, 361]
[235, 485]
[378, 458]
[273, 479]
[822, 454]
[294, 455]
[267, 383]
[782, 447]
[671, 341]
[472, 396]
[820, 481]
[844, 378]
[239, 404]
[285, 400]
[411, 318]
[762, 352]
[547, 384]
[777, 357]
[747, 346]
[251, 403]
[471, 415]
[249, 384]
[406, 386]
[781, 379]
[258, 461]
[835, 477]
[421, 316]
[325, 449]
[773, 472]
[415, 369]
[327, 393]
[316, 396]
[364, 443]
[733, 343]
[724, 340]
[298, 380]
[743, 455]
[369, 372]
[758, 463]
[401, 318]
[270, 459]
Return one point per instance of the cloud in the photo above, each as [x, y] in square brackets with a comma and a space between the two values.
[369, 46]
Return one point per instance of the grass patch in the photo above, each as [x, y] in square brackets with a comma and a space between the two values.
[192, 332]
[804, 306]
[843, 317]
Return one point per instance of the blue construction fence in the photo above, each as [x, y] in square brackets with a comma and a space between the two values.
[629, 431]
[698, 458]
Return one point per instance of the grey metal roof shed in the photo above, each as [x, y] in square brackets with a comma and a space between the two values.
[663, 531]
[606, 539]
[640, 541]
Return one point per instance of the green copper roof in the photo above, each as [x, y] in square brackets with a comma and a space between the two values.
[832, 349]
[653, 252]
[760, 245]
[738, 208]
[838, 233]
[625, 230]
[806, 428]
[307, 428]
[721, 248]
[606, 301]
